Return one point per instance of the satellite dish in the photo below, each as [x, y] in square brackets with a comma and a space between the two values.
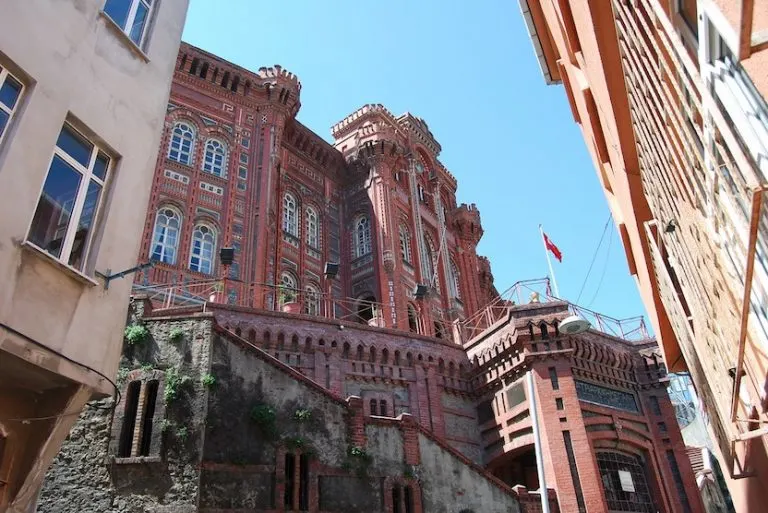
[573, 325]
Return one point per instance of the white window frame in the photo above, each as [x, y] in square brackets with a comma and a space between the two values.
[210, 168]
[4, 74]
[290, 215]
[86, 175]
[312, 299]
[165, 245]
[313, 228]
[215, 234]
[191, 152]
[150, 4]
[362, 240]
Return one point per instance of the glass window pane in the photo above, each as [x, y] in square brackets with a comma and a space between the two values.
[3, 121]
[118, 11]
[138, 23]
[82, 235]
[49, 226]
[75, 145]
[10, 92]
[101, 166]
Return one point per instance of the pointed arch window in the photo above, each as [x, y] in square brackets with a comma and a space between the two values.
[428, 262]
[215, 157]
[203, 249]
[454, 283]
[362, 236]
[290, 217]
[313, 228]
[405, 243]
[289, 286]
[312, 300]
[165, 240]
[182, 143]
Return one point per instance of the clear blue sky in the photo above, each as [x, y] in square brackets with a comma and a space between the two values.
[468, 69]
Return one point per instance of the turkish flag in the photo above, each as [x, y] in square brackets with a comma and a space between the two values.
[554, 249]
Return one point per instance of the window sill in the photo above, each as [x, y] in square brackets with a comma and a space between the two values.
[134, 460]
[68, 269]
[122, 35]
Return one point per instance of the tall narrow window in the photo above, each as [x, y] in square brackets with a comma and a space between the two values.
[290, 219]
[553, 378]
[150, 400]
[203, 249]
[405, 243]
[215, 158]
[655, 406]
[132, 16]
[312, 300]
[383, 408]
[574, 472]
[304, 482]
[182, 143]
[290, 480]
[289, 287]
[374, 407]
[678, 478]
[10, 91]
[428, 265]
[413, 323]
[313, 228]
[408, 496]
[69, 203]
[454, 283]
[129, 419]
[362, 236]
[165, 240]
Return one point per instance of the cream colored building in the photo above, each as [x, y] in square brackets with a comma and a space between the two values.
[83, 92]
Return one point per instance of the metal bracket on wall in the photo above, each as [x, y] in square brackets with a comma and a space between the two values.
[107, 276]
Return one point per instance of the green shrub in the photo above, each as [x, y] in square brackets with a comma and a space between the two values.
[176, 334]
[302, 415]
[264, 416]
[208, 380]
[174, 381]
[136, 334]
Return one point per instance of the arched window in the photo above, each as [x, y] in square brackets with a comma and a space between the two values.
[182, 143]
[312, 300]
[290, 219]
[413, 323]
[405, 243]
[215, 157]
[362, 236]
[428, 262]
[203, 249]
[454, 281]
[165, 240]
[289, 287]
[313, 228]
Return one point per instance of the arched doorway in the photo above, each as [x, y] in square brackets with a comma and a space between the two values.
[366, 308]
[517, 467]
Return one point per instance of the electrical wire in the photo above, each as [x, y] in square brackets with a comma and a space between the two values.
[70, 360]
[594, 257]
[605, 268]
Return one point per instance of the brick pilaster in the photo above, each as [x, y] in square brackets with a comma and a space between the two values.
[356, 424]
[410, 439]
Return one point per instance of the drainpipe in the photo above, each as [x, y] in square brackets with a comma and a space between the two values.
[537, 442]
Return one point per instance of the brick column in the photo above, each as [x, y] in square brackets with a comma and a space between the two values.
[420, 389]
[356, 421]
[410, 439]
[336, 363]
[558, 469]
[435, 402]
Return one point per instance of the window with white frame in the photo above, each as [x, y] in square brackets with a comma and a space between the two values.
[215, 157]
[66, 213]
[132, 16]
[165, 240]
[454, 284]
[313, 228]
[182, 143]
[290, 217]
[10, 92]
[405, 243]
[203, 249]
[289, 286]
[312, 300]
[362, 236]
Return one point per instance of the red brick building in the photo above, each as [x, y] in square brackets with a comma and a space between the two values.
[392, 325]
[239, 170]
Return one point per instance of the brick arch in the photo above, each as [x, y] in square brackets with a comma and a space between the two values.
[396, 358]
[345, 350]
[295, 343]
[267, 337]
[217, 132]
[385, 356]
[281, 341]
[372, 354]
[308, 344]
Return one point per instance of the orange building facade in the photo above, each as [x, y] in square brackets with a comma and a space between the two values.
[670, 97]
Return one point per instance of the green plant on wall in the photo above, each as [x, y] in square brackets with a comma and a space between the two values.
[136, 334]
[165, 425]
[358, 461]
[295, 442]
[176, 334]
[265, 418]
[174, 382]
[208, 380]
[286, 295]
[302, 415]
[182, 433]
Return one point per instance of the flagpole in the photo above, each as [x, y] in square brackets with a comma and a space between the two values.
[549, 263]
